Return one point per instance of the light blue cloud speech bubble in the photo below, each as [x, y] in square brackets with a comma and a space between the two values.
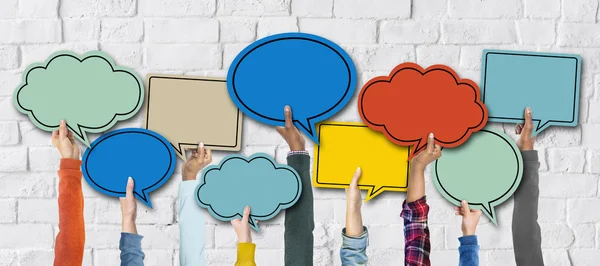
[548, 83]
[313, 75]
[257, 181]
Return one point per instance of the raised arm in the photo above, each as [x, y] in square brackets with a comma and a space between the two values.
[299, 219]
[469, 247]
[70, 240]
[245, 247]
[527, 237]
[131, 243]
[415, 208]
[191, 220]
[355, 235]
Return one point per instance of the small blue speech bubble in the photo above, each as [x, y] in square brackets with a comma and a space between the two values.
[110, 161]
[548, 83]
[257, 181]
[311, 74]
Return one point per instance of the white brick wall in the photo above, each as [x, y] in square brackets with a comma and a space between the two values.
[201, 37]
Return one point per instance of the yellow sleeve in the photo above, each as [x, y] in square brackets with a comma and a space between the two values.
[245, 254]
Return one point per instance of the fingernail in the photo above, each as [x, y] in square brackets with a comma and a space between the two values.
[287, 108]
[246, 208]
[528, 110]
[129, 180]
[430, 135]
[358, 169]
[201, 145]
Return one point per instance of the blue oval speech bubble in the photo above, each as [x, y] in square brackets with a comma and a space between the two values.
[109, 162]
[311, 74]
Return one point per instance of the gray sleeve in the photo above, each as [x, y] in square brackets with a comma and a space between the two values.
[299, 219]
[527, 238]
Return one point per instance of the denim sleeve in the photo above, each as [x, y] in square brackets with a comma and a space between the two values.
[131, 250]
[469, 251]
[354, 249]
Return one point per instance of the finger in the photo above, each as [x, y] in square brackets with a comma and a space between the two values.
[71, 136]
[129, 189]
[465, 207]
[356, 177]
[201, 151]
[55, 134]
[518, 129]
[208, 156]
[288, 117]
[430, 143]
[246, 215]
[528, 128]
[476, 212]
[62, 129]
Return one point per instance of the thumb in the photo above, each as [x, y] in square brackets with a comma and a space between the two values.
[246, 215]
[129, 190]
[465, 207]
[356, 177]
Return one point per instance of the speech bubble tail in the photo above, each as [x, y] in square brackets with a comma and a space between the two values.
[309, 129]
[141, 195]
[180, 151]
[253, 223]
[79, 134]
[490, 212]
[373, 192]
[539, 126]
[417, 148]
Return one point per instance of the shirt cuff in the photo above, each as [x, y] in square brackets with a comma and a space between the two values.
[245, 252]
[416, 211]
[531, 155]
[304, 152]
[130, 241]
[356, 242]
[70, 164]
[468, 240]
[187, 188]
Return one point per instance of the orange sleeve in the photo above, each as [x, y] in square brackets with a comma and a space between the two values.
[70, 241]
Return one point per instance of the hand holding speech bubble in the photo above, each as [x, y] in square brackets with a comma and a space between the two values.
[311, 74]
[187, 109]
[336, 158]
[548, 83]
[485, 171]
[110, 161]
[412, 102]
[90, 92]
[257, 181]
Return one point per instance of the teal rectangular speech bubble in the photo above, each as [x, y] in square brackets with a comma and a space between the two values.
[548, 83]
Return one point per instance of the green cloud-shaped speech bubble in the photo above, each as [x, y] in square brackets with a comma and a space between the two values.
[90, 92]
[485, 171]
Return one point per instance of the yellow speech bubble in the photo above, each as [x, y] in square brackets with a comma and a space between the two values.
[346, 146]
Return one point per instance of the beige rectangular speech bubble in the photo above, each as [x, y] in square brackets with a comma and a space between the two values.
[187, 110]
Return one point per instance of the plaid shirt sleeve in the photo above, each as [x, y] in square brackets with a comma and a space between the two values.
[416, 233]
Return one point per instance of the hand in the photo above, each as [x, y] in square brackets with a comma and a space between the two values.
[129, 209]
[242, 227]
[432, 153]
[290, 133]
[354, 225]
[470, 218]
[525, 142]
[64, 141]
[200, 158]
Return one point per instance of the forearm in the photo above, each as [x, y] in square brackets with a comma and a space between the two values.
[131, 250]
[299, 219]
[70, 240]
[416, 183]
[191, 226]
[469, 251]
[354, 248]
[354, 225]
[527, 239]
[416, 232]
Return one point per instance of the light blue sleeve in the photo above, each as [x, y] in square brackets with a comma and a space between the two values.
[191, 226]
[354, 249]
[131, 250]
[469, 251]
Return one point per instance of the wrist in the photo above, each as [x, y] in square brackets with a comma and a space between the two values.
[128, 226]
[187, 176]
[245, 240]
[297, 147]
[469, 233]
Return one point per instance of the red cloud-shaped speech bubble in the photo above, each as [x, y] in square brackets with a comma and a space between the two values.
[412, 102]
